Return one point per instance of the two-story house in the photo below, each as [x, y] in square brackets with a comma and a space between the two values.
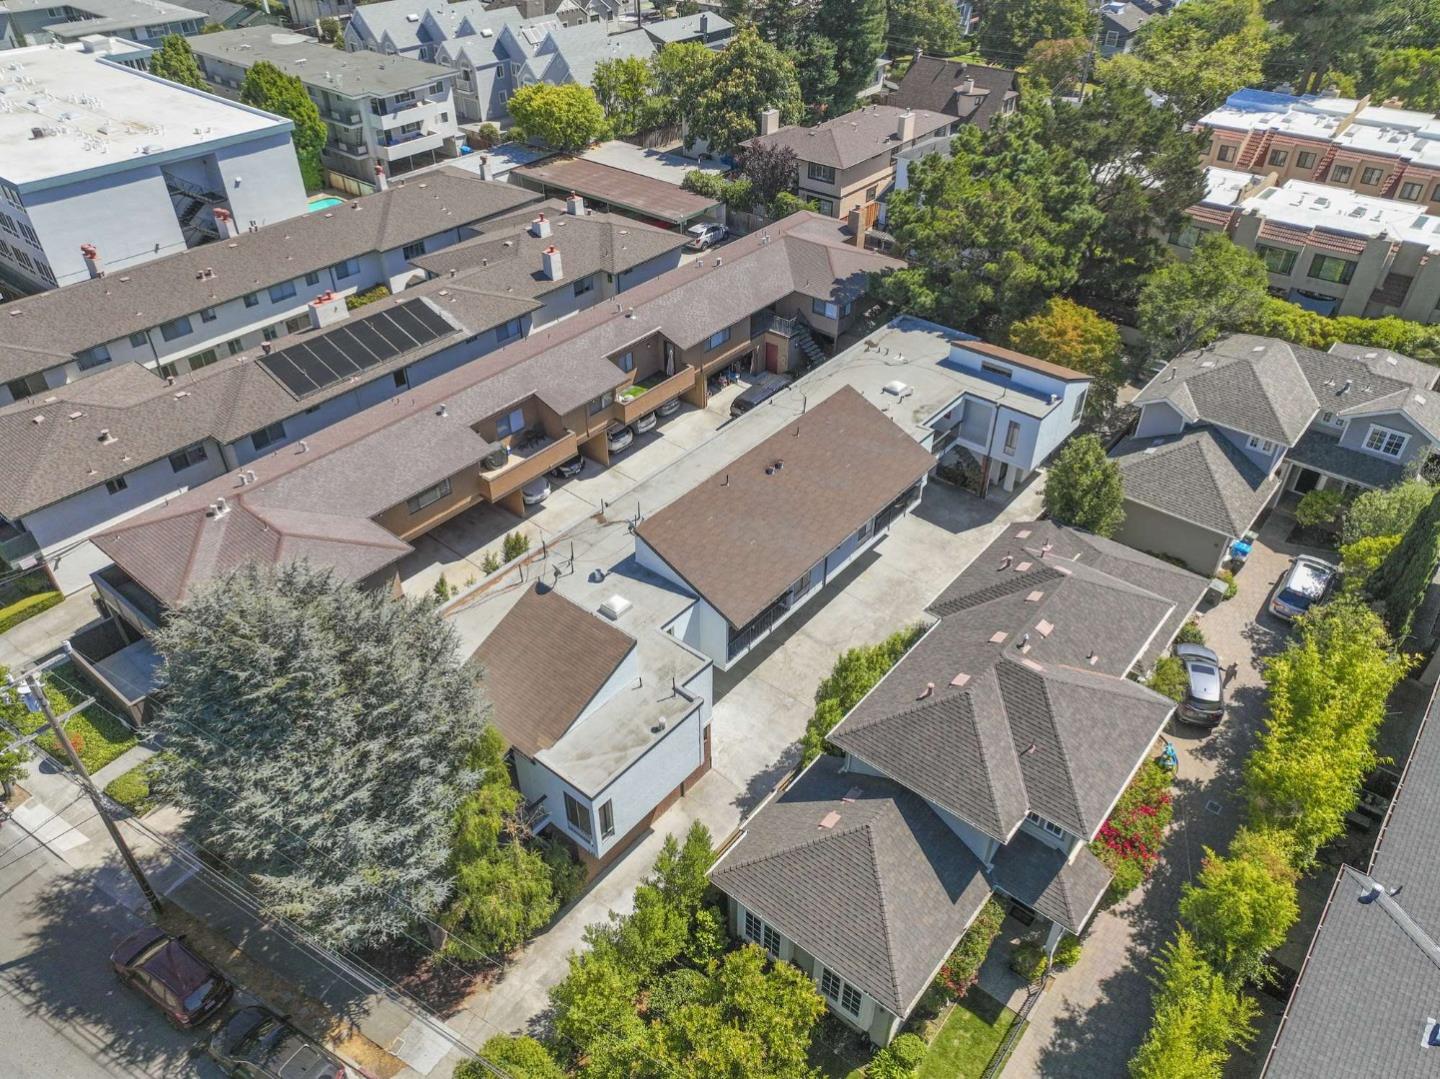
[975, 94]
[847, 163]
[983, 763]
[1222, 430]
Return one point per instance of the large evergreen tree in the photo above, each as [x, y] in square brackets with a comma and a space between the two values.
[932, 26]
[317, 736]
[1085, 488]
[1009, 29]
[748, 76]
[857, 30]
[1402, 579]
[175, 61]
[267, 87]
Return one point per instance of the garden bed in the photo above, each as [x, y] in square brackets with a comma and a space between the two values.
[98, 735]
[969, 1039]
[132, 789]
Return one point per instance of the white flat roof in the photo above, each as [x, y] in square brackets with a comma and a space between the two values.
[1223, 186]
[97, 114]
[1309, 205]
[664, 165]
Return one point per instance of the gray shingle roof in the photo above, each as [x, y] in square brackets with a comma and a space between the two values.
[1370, 985]
[933, 83]
[1197, 476]
[880, 896]
[855, 137]
[1355, 382]
[1250, 384]
[1041, 877]
[350, 74]
[1390, 364]
[1321, 451]
[1033, 725]
[50, 328]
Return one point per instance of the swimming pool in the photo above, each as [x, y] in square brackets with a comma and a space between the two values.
[324, 203]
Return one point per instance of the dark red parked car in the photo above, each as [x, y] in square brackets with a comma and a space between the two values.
[185, 987]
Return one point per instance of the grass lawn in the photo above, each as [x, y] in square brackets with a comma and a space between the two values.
[99, 735]
[964, 1046]
[132, 789]
[25, 597]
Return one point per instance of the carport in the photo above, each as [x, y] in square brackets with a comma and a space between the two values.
[604, 187]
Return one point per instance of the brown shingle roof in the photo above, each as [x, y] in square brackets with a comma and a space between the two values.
[855, 137]
[544, 662]
[629, 190]
[746, 534]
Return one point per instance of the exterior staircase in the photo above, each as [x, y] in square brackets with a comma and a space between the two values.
[1322, 170]
[808, 346]
[189, 200]
[1253, 149]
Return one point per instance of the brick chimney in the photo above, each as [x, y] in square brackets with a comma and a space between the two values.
[91, 255]
[382, 182]
[550, 261]
[704, 25]
[855, 221]
[487, 168]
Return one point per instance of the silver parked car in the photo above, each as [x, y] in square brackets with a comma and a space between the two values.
[618, 436]
[1306, 583]
[1204, 703]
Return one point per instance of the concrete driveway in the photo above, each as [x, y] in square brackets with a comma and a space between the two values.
[760, 712]
[1093, 1017]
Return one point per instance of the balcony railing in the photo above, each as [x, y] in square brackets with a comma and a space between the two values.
[654, 395]
[770, 322]
[526, 463]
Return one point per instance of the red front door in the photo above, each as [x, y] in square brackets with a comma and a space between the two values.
[772, 357]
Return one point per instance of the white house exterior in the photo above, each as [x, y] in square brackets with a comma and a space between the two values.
[146, 22]
[135, 169]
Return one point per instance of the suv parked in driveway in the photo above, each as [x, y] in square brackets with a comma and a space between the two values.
[185, 987]
[762, 389]
[705, 235]
[1306, 583]
[1204, 701]
[258, 1044]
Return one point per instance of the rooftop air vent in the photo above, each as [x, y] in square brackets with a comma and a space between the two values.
[829, 820]
[614, 607]
[898, 389]
[105, 436]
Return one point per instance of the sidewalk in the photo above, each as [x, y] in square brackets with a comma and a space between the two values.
[37, 637]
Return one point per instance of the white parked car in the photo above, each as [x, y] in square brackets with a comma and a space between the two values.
[703, 236]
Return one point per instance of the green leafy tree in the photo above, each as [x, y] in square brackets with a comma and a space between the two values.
[1197, 60]
[1169, 678]
[1063, 332]
[318, 737]
[1314, 37]
[1402, 579]
[12, 764]
[854, 674]
[1198, 1020]
[625, 88]
[1240, 907]
[518, 1056]
[857, 30]
[1320, 507]
[748, 76]
[932, 26]
[1185, 305]
[1326, 692]
[567, 118]
[1386, 511]
[681, 72]
[899, 1059]
[1411, 75]
[175, 61]
[331, 31]
[1362, 558]
[1291, 322]
[1010, 28]
[1055, 68]
[1084, 487]
[267, 87]
[994, 230]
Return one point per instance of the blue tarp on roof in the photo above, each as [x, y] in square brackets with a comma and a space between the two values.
[1248, 100]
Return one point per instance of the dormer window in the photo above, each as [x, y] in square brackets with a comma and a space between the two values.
[1261, 445]
[1041, 822]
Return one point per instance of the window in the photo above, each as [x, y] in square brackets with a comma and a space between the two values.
[625, 361]
[139, 339]
[413, 251]
[1327, 417]
[839, 991]
[1412, 191]
[584, 285]
[607, 820]
[429, 497]
[1012, 437]
[1371, 175]
[1080, 404]
[402, 380]
[252, 299]
[1277, 259]
[268, 436]
[1261, 445]
[202, 359]
[1341, 173]
[761, 934]
[283, 291]
[1278, 157]
[1329, 268]
[116, 485]
[1305, 159]
[233, 346]
[1435, 193]
[93, 357]
[296, 324]
[1112, 38]
[717, 339]
[313, 277]
[1186, 236]
[1227, 152]
[601, 403]
[348, 268]
[176, 327]
[272, 332]
[167, 370]
[510, 423]
[1383, 440]
[577, 816]
[995, 369]
[507, 330]
[824, 173]
[1053, 829]
[190, 455]
[827, 206]
[871, 192]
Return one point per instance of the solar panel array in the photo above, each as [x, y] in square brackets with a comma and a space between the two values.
[354, 347]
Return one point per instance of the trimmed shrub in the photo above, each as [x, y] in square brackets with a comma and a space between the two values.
[1028, 960]
[962, 969]
[899, 1059]
[515, 544]
[1360, 559]
[1129, 842]
[854, 675]
[1319, 507]
[1169, 678]
[132, 789]
[1228, 576]
[360, 299]
[1191, 633]
[1067, 952]
[17, 612]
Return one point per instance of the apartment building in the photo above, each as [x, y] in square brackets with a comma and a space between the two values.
[848, 163]
[982, 764]
[147, 22]
[122, 441]
[186, 311]
[1224, 429]
[128, 164]
[1327, 249]
[1372, 150]
[382, 114]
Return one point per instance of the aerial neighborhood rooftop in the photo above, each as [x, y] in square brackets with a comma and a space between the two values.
[570, 538]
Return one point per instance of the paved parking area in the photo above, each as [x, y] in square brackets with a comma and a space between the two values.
[1093, 1017]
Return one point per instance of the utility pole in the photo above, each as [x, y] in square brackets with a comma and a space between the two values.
[37, 690]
